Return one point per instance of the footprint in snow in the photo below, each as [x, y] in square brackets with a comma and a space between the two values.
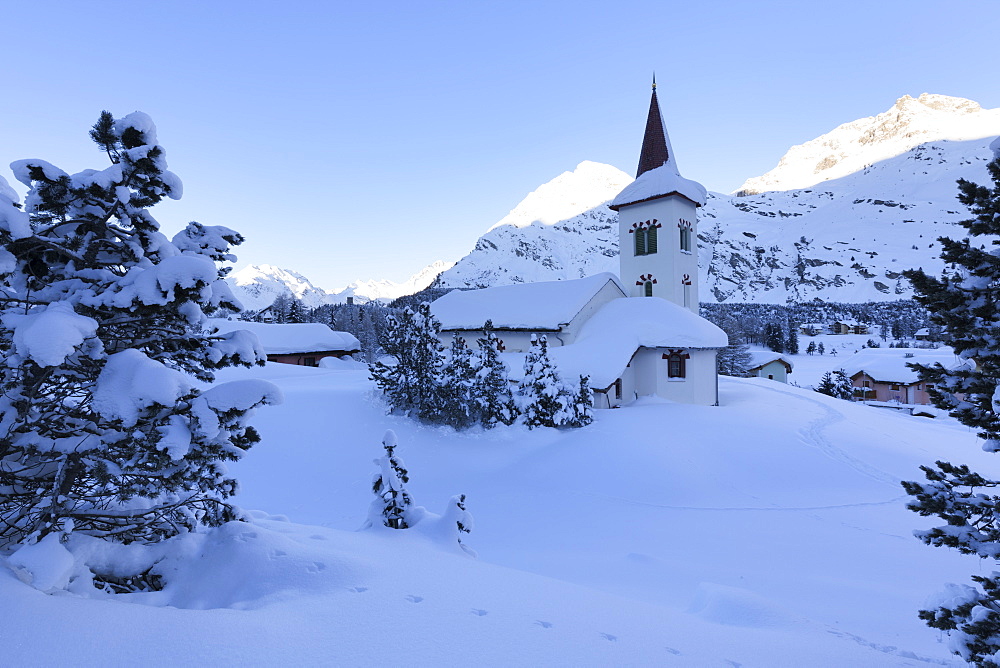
[609, 637]
[673, 651]
[316, 567]
[481, 613]
[414, 599]
[357, 590]
[317, 537]
[544, 625]
[278, 553]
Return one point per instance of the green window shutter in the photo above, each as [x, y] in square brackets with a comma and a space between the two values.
[648, 287]
[651, 240]
[640, 242]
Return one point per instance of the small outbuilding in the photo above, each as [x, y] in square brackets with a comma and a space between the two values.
[773, 366]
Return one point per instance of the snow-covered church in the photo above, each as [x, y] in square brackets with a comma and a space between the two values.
[636, 334]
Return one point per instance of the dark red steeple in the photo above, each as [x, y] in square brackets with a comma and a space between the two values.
[654, 143]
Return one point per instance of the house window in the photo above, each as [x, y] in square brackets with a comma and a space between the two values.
[867, 383]
[676, 366]
[309, 361]
[647, 288]
[618, 389]
[894, 388]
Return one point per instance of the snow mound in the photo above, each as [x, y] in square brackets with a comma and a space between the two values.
[733, 606]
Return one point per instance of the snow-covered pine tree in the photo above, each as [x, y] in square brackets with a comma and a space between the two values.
[965, 304]
[811, 348]
[582, 406]
[458, 516]
[493, 397]
[103, 318]
[411, 384]
[392, 502]
[836, 384]
[545, 400]
[456, 404]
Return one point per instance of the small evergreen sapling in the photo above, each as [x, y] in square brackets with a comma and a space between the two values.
[392, 503]
[460, 518]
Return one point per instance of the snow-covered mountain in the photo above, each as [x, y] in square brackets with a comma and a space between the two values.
[853, 146]
[887, 198]
[258, 285]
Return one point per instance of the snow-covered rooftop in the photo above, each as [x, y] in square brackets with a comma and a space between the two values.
[889, 364]
[548, 305]
[608, 340]
[278, 339]
[659, 182]
[759, 358]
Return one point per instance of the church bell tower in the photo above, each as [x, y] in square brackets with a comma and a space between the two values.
[657, 222]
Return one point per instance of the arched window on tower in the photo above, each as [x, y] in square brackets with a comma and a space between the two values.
[640, 241]
[647, 288]
[684, 227]
[651, 239]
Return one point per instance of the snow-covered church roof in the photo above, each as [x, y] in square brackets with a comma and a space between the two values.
[286, 339]
[548, 305]
[657, 175]
[608, 340]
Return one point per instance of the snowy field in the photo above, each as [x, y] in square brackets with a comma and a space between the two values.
[769, 531]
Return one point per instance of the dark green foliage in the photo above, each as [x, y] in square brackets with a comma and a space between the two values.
[492, 390]
[392, 502]
[836, 384]
[965, 304]
[91, 254]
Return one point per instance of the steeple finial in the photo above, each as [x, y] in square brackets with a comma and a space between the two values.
[655, 152]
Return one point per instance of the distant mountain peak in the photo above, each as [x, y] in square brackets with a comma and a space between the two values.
[851, 147]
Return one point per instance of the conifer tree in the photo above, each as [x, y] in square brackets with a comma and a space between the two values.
[836, 384]
[458, 516]
[582, 406]
[492, 394]
[792, 345]
[457, 403]
[411, 384]
[546, 402]
[965, 304]
[103, 324]
[392, 503]
[811, 348]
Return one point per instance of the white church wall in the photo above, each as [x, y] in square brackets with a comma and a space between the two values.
[700, 384]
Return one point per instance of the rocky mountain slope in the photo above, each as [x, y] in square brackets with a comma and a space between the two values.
[883, 204]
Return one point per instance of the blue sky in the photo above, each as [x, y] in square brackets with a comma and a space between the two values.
[366, 140]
